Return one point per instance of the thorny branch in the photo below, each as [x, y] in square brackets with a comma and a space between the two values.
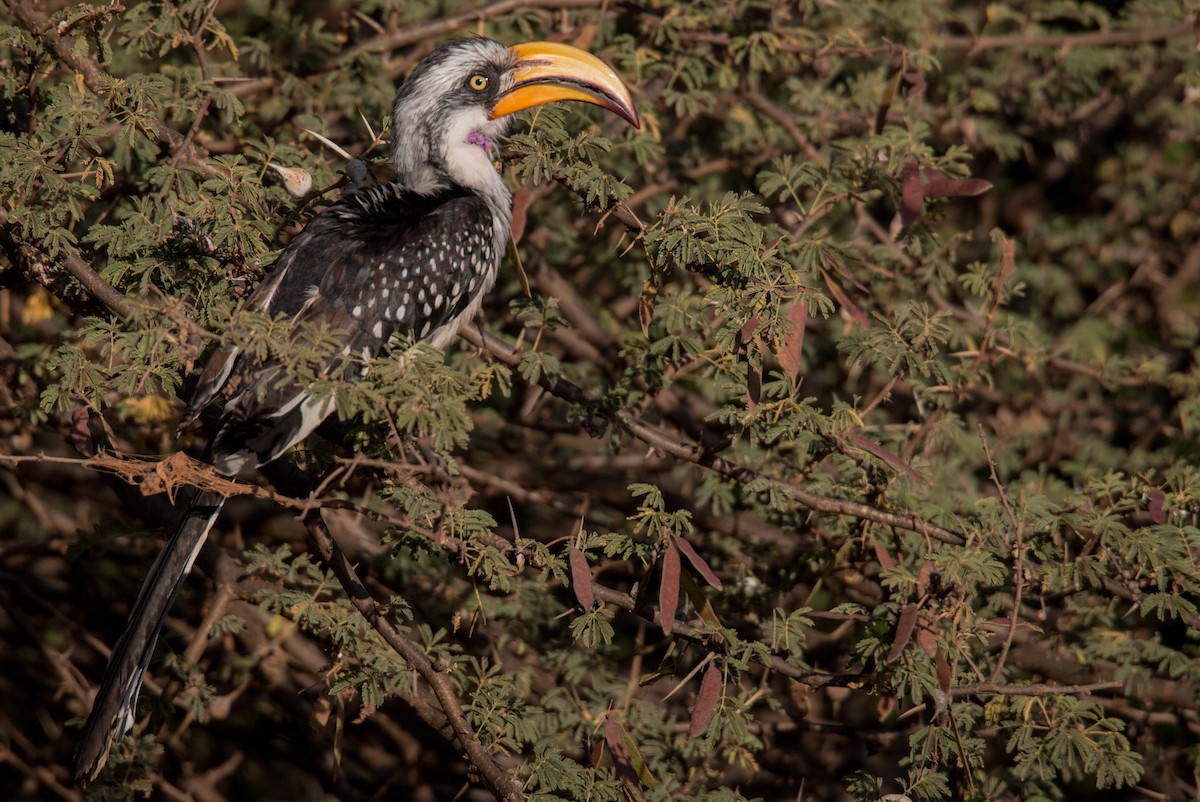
[697, 455]
[496, 778]
[180, 471]
[34, 264]
[1018, 563]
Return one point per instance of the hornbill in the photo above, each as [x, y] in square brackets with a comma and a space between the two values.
[409, 258]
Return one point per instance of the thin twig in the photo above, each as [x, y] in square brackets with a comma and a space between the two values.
[34, 264]
[787, 121]
[196, 41]
[1018, 561]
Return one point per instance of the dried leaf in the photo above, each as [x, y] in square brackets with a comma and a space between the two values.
[639, 763]
[889, 94]
[596, 754]
[668, 592]
[81, 434]
[521, 201]
[524, 279]
[789, 350]
[916, 83]
[938, 186]
[703, 606]
[923, 576]
[614, 736]
[113, 442]
[753, 385]
[753, 372]
[587, 33]
[856, 314]
[698, 563]
[706, 700]
[750, 328]
[916, 185]
[1157, 513]
[881, 554]
[646, 306]
[912, 194]
[581, 578]
[943, 672]
[904, 630]
[926, 640]
[886, 456]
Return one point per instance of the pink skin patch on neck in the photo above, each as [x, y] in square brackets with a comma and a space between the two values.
[480, 139]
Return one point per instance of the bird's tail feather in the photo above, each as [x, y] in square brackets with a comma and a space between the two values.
[113, 711]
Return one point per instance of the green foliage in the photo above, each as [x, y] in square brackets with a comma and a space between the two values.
[1069, 739]
[952, 517]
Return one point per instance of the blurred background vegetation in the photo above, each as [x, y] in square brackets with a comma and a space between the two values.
[844, 447]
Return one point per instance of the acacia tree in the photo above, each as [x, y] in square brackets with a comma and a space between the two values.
[831, 437]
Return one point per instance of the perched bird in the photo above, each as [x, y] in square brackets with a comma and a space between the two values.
[411, 257]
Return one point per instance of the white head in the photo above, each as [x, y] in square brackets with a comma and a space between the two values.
[455, 106]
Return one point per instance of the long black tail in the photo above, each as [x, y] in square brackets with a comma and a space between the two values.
[113, 711]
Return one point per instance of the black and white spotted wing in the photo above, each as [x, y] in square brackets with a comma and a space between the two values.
[382, 260]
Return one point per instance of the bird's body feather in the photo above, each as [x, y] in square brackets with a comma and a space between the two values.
[374, 264]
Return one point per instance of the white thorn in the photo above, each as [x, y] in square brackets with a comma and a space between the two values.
[329, 143]
[370, 130]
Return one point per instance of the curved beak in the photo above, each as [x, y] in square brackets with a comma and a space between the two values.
[546, 72]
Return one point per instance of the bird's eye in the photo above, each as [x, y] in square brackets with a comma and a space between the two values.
[478, 82]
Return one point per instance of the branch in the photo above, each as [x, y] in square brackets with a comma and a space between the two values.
[296, 494]
[697, 455]
[429, 30]
[32, 262]
[93, 72]
[1034, 688]
[787, 121]
[497, 779]
[295, 482]
[1018, 562]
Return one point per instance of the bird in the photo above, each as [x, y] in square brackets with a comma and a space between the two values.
[410, 258]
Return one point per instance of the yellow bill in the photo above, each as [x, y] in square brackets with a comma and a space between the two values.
[547, 72]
